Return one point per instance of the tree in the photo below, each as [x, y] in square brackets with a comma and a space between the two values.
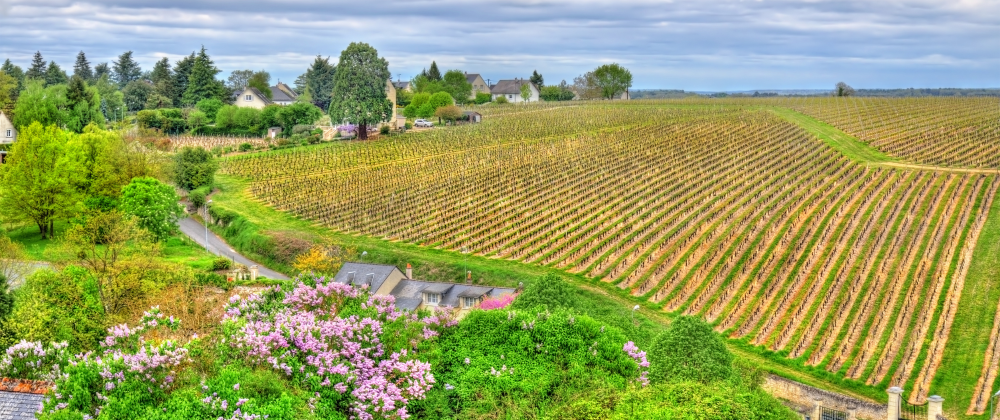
[197, 119]
[12, 254]
[300, 84]
[209, 107]
[102, 69]
[182, 71]
[440, 99]
[136, 94]
[108, 162]
[125, 70]
[8, 92]
[39, 179]
[82, 68]
[262, 81]
[434, 74]
[550, 292]
[560, 92]
[38, 67]
[689, 351]
[239, 80]
[449, 113]
[17, 74]
[319, 82]
[359, 88]
[194, 167]
[163, 81]
[537, 79]
[843, 89]
[612, 80]
[55, 75]
[456, 84]
[154, 205]
[201, 84]
[299, 113]
[112, 99]
[83, 105]
[586, 87]
[45, 105]
[525, 92]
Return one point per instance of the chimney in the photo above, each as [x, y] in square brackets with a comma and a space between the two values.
[468, 277]
[409, 271]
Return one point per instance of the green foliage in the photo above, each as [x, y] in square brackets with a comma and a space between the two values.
[201, 82]
[210, 106]
[39, 178]
[525, 92]
[262, 81]
[194, 167]
[449, 113]
[197, 119]
[82, 68]
[384, 130]
[693, 400]
[299, 113]
[483, 97]
[125, 70]
[182, 72]
[501, 100]
[247, 119]
[136, 94]
[37, 69]
[551, 292]
[164, 84]
[83, 105]
[54, 75]
[433, 74]
[37, 103]
[197, 198]
[457, 85]
[359, 88]
[221, 263]
[269, 115]
[319, 82]
[112, 100]
[58, 306]
[560, 92]
[168, 121]
[154, 204]
[440, 99]
[537, 79]
[6, 298]
[689, 350]
[246, 147]
[612, 80]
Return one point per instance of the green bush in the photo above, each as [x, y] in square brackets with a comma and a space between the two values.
[551, 292]
[221, 263]
[210, 107]
[384, 130]
[212, 279]
[302, 129]
[246, 147]
[689, 350]
[197, 199]
[194, 167]
[501, 100]
[154, 205]
[483, 97]
[408, 125]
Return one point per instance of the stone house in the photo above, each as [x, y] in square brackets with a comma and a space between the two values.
[511, 89]
[478, 84]
[414, 294]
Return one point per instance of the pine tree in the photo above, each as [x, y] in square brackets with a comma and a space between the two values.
[201, 83]
[182, 71]
[125, 70]
[163, 79]
[55, 75]
[38, 67]
[319, 79]
[434, 74]
[82, 105]
[82, 68]
[102, 69]
[537, 79]
[14, 71]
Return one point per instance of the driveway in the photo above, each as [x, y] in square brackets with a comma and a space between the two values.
[217, 246]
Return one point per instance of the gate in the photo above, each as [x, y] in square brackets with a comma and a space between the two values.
[831, 414]
[909, 411]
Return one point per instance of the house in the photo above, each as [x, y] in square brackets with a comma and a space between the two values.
[478, 84]
[281, 94]
[511, 89]
[251, 97]
[414, 294]
[20, 399]
[402, 86]
[7, 131]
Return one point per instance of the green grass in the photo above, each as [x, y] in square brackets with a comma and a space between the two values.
[844, 143]
[29, 236]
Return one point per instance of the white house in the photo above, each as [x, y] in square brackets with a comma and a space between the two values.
[8, 134]
[252, 97]
[511, 89]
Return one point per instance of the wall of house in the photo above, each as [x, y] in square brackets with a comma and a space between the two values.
[254, 102]
[516, 97]
[390, 91]
[5, 126]
[390, 283]
[479, 85]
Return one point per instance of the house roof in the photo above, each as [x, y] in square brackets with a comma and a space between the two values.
[471, 77]
[279, 95]
[401, 85]
[409, 291]
[260, 95]
[21, 399]
[361, 271]
[507, 87]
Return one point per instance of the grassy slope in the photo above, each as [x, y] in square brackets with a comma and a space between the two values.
[842, 142]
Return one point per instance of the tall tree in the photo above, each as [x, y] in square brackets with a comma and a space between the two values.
[300, 84]
[434, 74]
[82, 68]
[102, 69]
[319, 79]
[182, 71]
[83, 105]
[39, 178]
[8, 93]
[359, 88]
[38, 67]
[262, 81]
[201, 83]
[37, 103]
[125, 70]
[613, 80]
[537, 79]
[456, 84]
[843, 89]
[136, 94]
[162, 78]
[55, 75]
[586, 87]
[112, 99]
[14, 71]
[239, 80]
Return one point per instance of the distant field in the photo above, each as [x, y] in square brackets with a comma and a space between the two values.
[724, 209]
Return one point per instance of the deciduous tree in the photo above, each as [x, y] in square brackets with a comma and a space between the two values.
[136, 94]
[194, 167]
[45, 105]
[612, 80]
[525, 92]
[456, 84]
[39, 179]
[153, 204]
[238, 80]
[359, 88]
[262, 81]
[843, 89]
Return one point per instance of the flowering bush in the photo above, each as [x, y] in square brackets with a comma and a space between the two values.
[351, 348]
[498, 302]
[32, 360]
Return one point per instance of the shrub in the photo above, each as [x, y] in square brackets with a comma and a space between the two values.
[501, 100]
[483, 97]
[246, 147]
[197, 119]
[197, 199]
[212, 279]
[408, 125]
[210, 107]
[194, 167]
[221, 263]
[384, 130]
[550, 292]
[302, 129]
[689, 351]
[154, 205]
[441, 99]
[449, 113]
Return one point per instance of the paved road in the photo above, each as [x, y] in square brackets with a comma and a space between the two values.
[217, 246]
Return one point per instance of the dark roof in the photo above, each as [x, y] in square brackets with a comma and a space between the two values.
[507, 87]
[409, 290]
[471, 77]
[472, 113]
[260, 95]
[278, 95]
[400, 85]
[361, 271]
[21, 399]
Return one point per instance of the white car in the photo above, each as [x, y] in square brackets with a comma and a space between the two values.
[422, 123]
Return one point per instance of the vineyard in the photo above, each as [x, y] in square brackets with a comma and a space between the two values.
[727, 211]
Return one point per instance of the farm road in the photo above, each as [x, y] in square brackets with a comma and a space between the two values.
[217, 246]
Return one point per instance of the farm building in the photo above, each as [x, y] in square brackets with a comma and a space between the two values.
[511, 89]
[474, 116]
[414, 294]
[478, 84]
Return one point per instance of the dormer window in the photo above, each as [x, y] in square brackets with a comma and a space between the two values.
[432, 298]
[350, 277]
[470, 302]
[248, 98]
[370, 278]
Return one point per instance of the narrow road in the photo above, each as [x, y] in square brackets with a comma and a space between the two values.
[217, 246]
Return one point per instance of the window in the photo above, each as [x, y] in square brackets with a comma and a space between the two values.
[510, 96]
[432, 298]
[248, 98]
[350, 276]
[10, 133]
[470, 302]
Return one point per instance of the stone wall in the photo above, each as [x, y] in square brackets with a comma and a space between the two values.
[802, 398]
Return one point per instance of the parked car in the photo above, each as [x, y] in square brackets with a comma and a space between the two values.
[422, 123]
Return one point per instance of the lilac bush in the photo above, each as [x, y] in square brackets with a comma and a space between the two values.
[498, 302]
[352, 348]
[640, 357]
[32, 360]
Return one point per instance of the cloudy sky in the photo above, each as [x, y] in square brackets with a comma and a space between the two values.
[701, 45]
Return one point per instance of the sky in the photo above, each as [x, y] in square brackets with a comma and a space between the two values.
[694, 45]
